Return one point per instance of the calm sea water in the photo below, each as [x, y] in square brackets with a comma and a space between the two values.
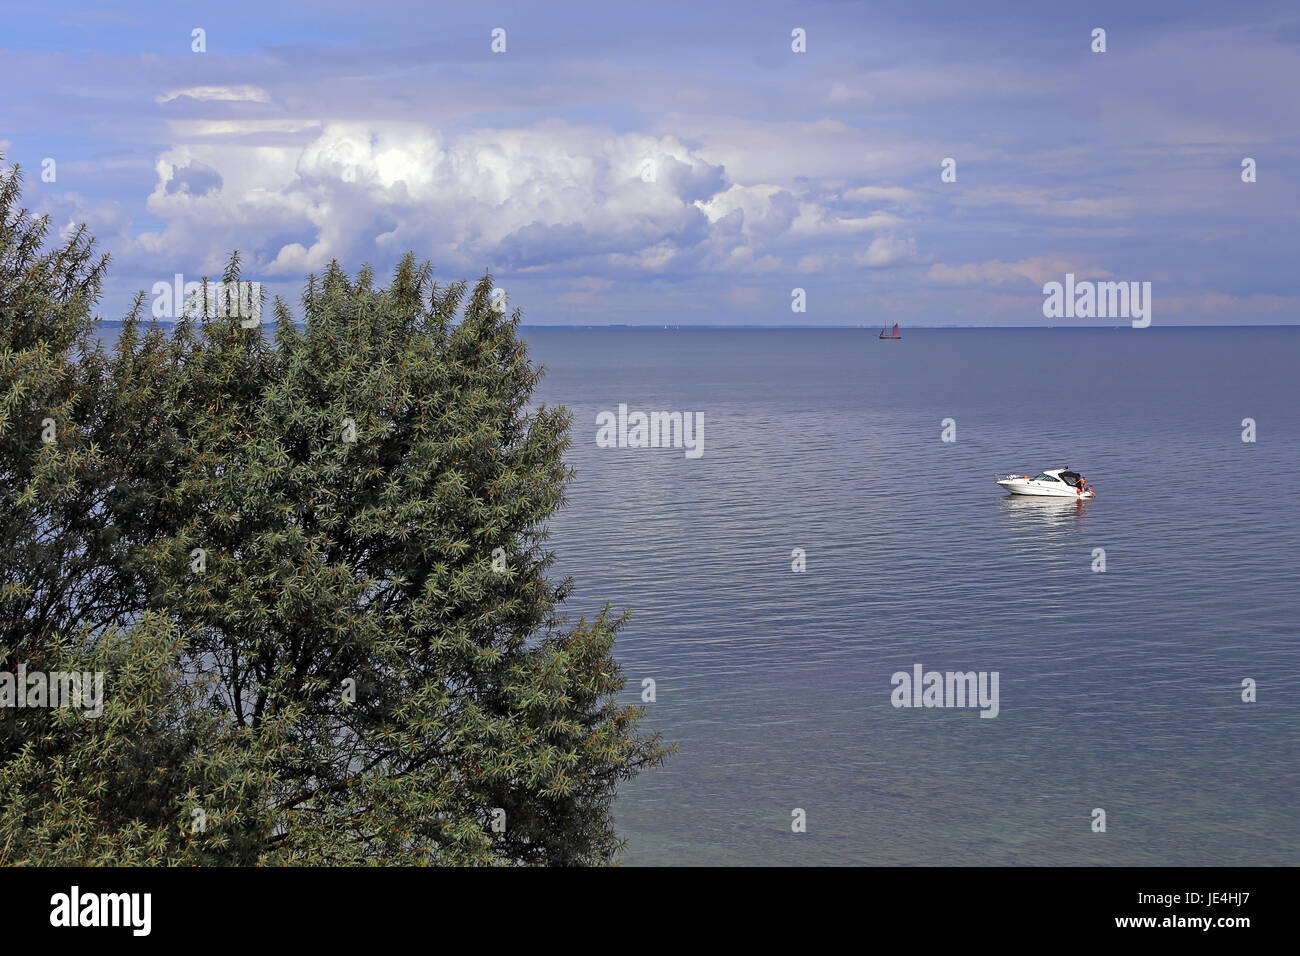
[1118, 690]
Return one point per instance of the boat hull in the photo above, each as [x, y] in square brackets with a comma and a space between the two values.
[1036, 489]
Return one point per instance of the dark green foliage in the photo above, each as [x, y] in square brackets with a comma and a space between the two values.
[122, 789]
[300, 607]
[51, 493]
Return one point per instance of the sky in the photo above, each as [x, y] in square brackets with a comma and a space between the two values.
[679, 162]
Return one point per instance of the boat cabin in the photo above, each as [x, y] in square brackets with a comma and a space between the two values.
[1071, 478]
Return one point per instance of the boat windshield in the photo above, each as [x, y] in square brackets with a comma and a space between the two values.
[1045, 477]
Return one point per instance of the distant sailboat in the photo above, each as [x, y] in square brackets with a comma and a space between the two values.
[886, 334]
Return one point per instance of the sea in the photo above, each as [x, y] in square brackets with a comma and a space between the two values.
[1146, 642]
[837, 531]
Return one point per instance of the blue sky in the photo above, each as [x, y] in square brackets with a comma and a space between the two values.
[679, 162]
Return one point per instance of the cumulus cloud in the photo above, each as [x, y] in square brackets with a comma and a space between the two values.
[522, 198]
[755, 211]
[555, 197]
[195, 178]
[887, 251]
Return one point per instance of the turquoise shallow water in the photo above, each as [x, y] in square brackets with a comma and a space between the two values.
[1118, 690]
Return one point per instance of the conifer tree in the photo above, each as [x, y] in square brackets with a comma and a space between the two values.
[157, 778]
[369, 493]
[314, 563]
[51, 572]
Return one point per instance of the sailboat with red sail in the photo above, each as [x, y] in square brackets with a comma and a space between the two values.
[886, 334]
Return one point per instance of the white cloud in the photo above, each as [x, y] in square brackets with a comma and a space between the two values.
[887, 251]
[354, 190]
[244, 93]
[783, 151]
[293, 194]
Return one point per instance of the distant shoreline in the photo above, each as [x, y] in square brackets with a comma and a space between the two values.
[873, 329]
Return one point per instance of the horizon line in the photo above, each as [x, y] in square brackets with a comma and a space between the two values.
[1043, 328]
[755, 325]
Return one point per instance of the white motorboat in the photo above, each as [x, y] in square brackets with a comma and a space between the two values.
[1053, 483]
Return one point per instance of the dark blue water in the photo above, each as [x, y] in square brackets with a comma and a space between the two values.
[1119, 690]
